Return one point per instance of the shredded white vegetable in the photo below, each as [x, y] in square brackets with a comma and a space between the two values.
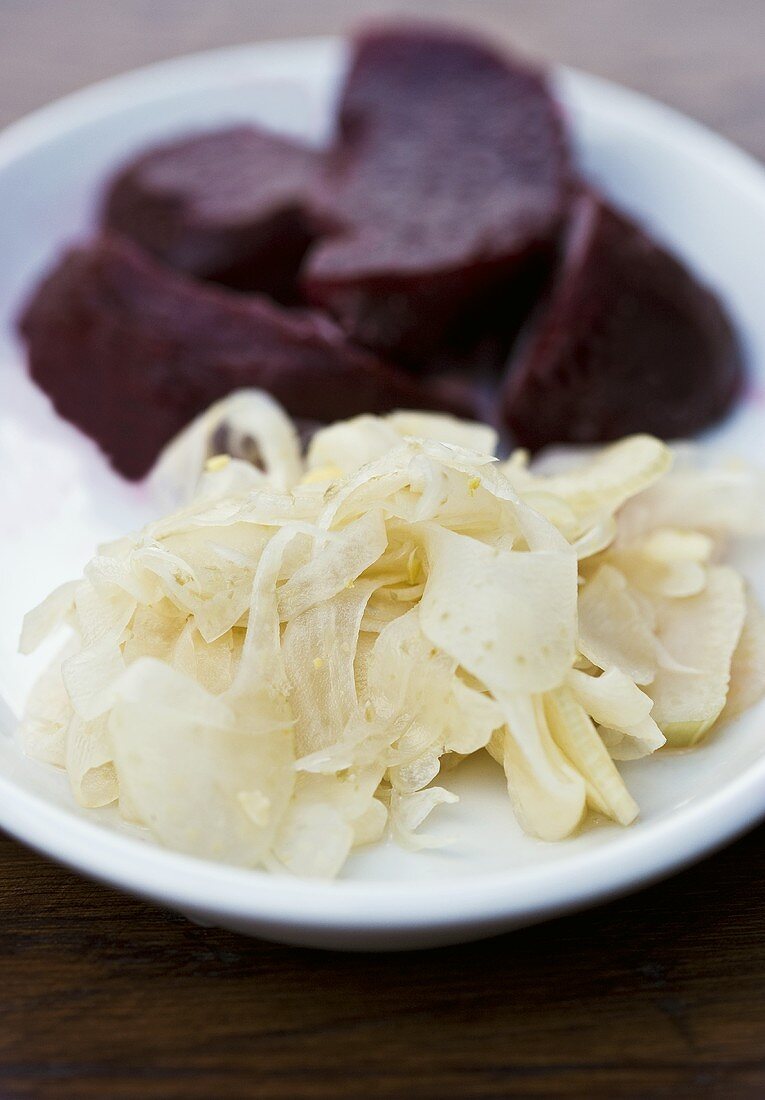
[288, 663]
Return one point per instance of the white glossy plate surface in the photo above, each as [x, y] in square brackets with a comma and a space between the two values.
[58, 499]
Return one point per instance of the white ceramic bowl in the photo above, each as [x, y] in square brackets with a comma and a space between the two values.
[58, 498]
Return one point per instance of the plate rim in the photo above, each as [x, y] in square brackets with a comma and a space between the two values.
[487, 899]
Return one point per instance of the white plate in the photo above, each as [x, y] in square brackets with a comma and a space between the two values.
[57, 499]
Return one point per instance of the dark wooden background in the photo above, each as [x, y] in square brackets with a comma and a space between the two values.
[661, 994]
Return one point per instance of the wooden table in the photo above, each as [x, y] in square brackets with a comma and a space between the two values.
[660, 994]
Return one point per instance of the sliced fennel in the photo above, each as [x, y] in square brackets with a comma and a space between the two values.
[704, 631]
[292, 661]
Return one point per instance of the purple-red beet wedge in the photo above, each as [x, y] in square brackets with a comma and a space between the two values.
[626, 340]
[227, 206]
[449, 174]
[131, 351]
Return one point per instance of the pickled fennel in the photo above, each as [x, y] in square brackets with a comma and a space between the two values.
[284, 666]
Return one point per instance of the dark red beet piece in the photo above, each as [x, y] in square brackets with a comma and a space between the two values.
[130, 351]
[449, 173]
[625, 341]
[226, 206]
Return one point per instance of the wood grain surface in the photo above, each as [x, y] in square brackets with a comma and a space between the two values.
[661, 994]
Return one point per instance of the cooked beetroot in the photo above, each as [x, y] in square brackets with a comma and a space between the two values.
[449, 173]
[130, 351]
[226, 206]
[626, 340]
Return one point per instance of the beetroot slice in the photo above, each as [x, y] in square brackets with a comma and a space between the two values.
[448, 174]
[226, 206]
[625, 341]
[130, 351]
